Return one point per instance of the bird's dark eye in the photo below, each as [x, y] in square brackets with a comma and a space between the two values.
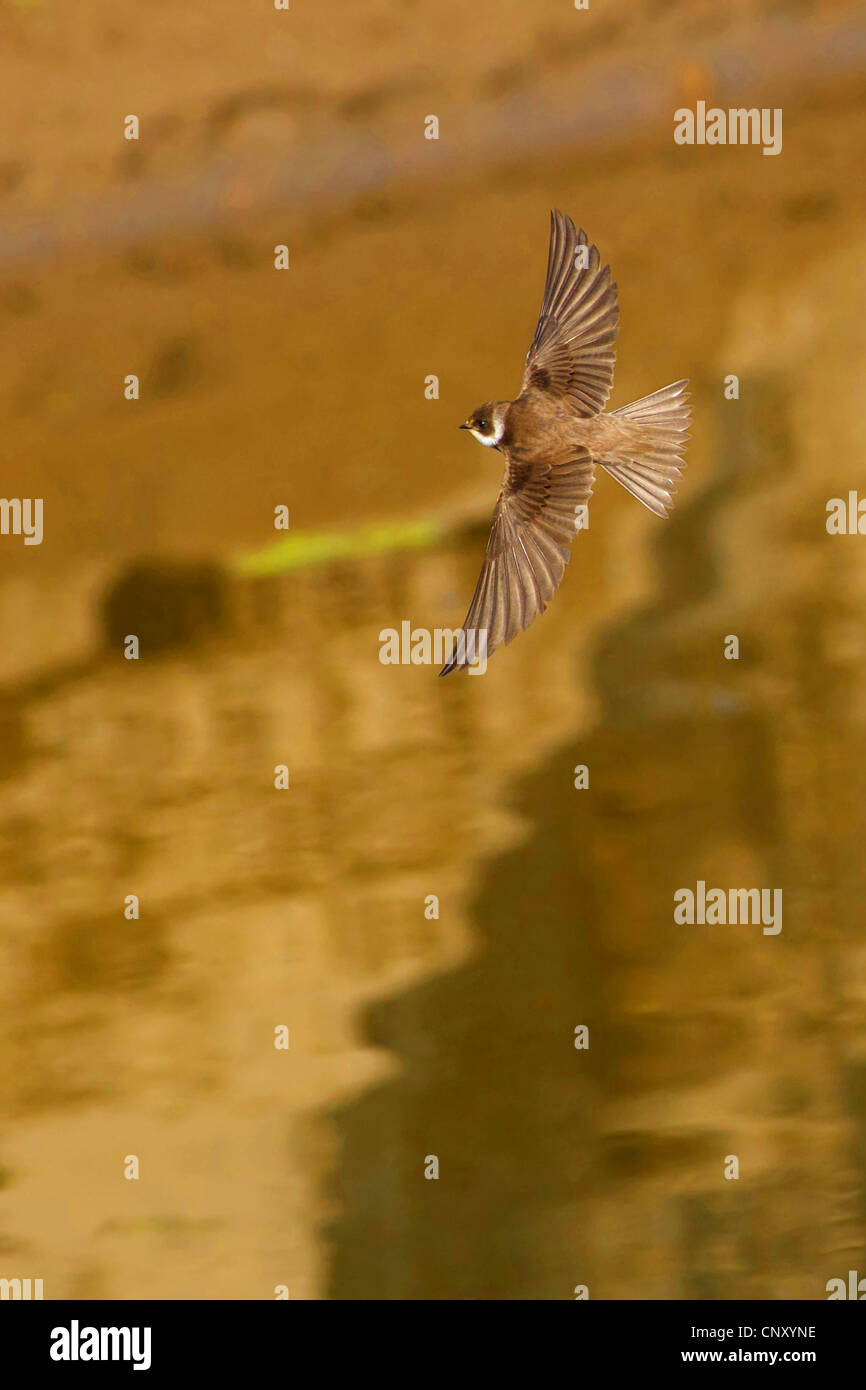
[482, 425]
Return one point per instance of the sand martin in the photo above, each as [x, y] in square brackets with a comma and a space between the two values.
[553, 436]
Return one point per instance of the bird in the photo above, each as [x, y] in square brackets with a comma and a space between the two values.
[554, 435]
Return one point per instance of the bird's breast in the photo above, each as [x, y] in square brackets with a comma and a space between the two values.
[538, 424]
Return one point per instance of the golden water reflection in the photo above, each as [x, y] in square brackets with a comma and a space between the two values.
[451, 1036]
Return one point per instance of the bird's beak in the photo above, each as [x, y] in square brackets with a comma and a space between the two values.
[465, 425]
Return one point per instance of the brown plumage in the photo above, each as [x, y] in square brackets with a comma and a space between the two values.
[554, 434]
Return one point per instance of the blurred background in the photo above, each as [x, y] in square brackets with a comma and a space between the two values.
[410, 1036]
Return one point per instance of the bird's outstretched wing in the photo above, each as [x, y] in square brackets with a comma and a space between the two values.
[529, 547]
[572, 354]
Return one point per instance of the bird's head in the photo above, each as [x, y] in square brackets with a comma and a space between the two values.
[487, 423]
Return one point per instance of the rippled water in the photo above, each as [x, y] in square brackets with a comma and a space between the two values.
[450, 1037]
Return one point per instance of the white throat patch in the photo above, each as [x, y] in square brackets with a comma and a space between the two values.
[490, 440]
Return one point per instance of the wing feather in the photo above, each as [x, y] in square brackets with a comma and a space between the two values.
[528, 549]
[572, 354]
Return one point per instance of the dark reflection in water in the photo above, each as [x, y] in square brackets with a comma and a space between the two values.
[605, 1167]
[154, 1034]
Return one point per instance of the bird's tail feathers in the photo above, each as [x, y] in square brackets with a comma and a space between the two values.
[651, 469]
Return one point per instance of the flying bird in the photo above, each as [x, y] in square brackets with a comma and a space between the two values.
[555, 434]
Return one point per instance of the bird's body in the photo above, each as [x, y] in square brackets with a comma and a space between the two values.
[555, 433]
[535, 423]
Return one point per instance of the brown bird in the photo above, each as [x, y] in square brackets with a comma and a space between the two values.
[554, 434]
